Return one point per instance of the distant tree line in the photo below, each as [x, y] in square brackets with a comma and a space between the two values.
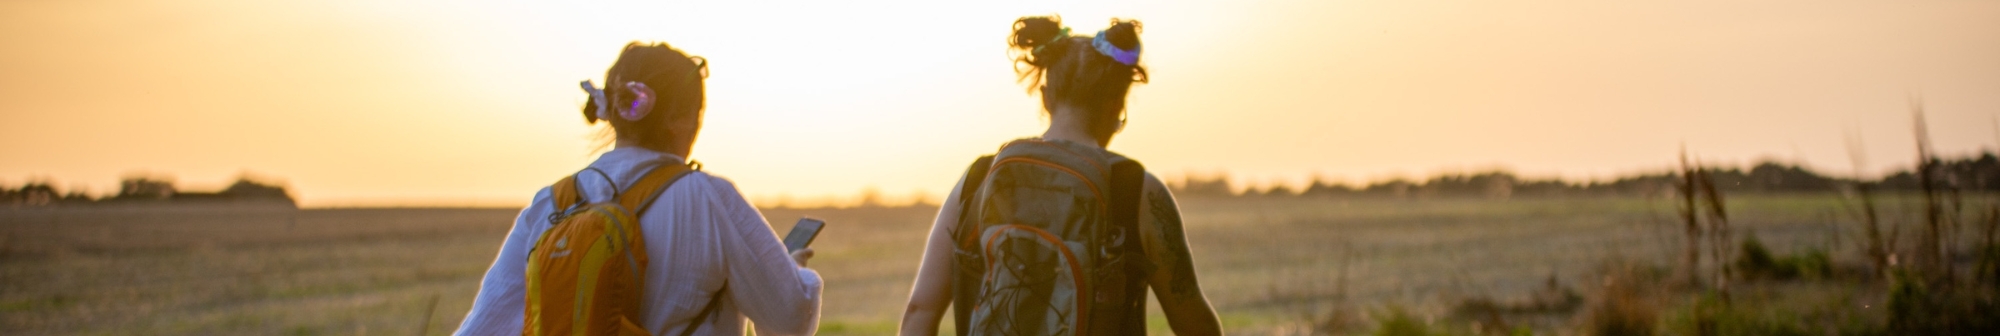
[143, 188]
[1979, 173]
[39, 194]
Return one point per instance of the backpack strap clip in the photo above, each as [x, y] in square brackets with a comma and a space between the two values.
[568, 193]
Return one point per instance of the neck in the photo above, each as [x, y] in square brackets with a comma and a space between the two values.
[1067, 124]
[623, 143]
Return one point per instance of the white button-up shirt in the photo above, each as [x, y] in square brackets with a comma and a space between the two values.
[700, 233]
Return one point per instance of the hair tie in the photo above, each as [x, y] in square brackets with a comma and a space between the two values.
[1060, 34]
[1104, 46]
[637, 109]
[700, 69]
[642, 101]
[598, 99]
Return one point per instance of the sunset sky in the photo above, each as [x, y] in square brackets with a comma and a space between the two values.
[367, 103]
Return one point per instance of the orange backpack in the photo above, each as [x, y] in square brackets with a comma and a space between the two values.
[587, 272]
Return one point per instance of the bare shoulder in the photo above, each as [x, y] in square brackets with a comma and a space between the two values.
[1153, 183]
[1160, 210]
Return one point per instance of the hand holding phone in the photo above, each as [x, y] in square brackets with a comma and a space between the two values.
[803, 233]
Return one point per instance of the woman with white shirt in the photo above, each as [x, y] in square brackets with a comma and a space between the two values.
[705, 243]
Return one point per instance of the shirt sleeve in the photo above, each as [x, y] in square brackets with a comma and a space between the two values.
[780, 297]
[500, 307]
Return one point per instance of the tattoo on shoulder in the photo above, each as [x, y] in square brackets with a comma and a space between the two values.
[1164, 210]
[1176, 257]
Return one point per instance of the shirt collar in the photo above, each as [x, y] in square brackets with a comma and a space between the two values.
[633, 156]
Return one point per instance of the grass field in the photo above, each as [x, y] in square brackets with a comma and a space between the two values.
[1270, 265]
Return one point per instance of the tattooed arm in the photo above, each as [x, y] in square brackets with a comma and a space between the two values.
[1173, 282]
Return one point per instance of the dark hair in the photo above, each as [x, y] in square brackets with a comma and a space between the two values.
[676, 80]
[1070, 70]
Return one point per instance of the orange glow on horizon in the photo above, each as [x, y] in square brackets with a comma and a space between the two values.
[365, 103]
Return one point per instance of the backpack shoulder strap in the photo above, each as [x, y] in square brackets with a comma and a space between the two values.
[974, 177]
[1128, 186]
[649, 187]
[565, 192]
[966, 234]
[641, 197]
[706, 311]
[566, 195]
[969, 189]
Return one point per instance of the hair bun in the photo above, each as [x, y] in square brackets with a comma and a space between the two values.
[1123, 34]
[1035, 31]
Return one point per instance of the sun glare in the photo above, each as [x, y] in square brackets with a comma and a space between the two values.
[805, 99]
[390, 102]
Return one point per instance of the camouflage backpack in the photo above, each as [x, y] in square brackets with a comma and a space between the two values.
[1047, 243]
[586, 273]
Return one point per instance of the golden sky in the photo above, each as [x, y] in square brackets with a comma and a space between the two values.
[475, 102]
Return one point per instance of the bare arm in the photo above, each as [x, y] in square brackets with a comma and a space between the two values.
[932, 292]
[1165, 240]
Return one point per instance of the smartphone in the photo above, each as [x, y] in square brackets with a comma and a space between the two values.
[803, 233]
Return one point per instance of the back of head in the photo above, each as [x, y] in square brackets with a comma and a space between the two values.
[1092, 73]
[655, 93]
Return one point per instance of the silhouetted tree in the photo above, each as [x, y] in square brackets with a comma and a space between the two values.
[38, 194]
[247, 189]
[1398, 188]
[1322, 188]
[1199, 186]
[138, 187]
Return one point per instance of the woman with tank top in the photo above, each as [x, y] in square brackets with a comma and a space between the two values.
[1083, 81]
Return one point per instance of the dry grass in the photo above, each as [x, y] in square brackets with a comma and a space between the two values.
[240, 270]
[1264, 262]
